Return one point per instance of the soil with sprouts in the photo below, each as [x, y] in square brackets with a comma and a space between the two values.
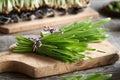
[39, 13]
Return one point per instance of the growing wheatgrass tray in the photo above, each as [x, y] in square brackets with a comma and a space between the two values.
[76, 46]
[23, 15]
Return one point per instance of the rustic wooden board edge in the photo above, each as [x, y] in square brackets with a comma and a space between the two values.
[21, 67]
[36, 24]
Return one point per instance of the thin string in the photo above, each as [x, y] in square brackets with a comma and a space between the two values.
[35, 45]
[50, 29]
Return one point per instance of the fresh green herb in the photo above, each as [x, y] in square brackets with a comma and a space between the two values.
[114, 6]
[90, 76]
[67, 44]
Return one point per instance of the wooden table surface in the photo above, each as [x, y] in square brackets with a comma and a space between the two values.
[114, 38]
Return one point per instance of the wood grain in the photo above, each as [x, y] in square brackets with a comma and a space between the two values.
[39, 66]
[57, 20]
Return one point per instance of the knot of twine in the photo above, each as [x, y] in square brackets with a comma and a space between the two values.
[50, 29]
[35, 45]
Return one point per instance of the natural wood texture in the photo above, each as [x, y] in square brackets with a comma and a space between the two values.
[57, 20]
[38, 66]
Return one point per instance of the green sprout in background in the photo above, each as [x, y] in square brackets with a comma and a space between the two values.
[90, 76]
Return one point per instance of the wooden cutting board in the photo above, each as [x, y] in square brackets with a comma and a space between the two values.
[38, 66]
[38, 23]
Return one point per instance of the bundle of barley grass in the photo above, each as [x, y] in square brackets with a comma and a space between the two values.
[66, 44]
